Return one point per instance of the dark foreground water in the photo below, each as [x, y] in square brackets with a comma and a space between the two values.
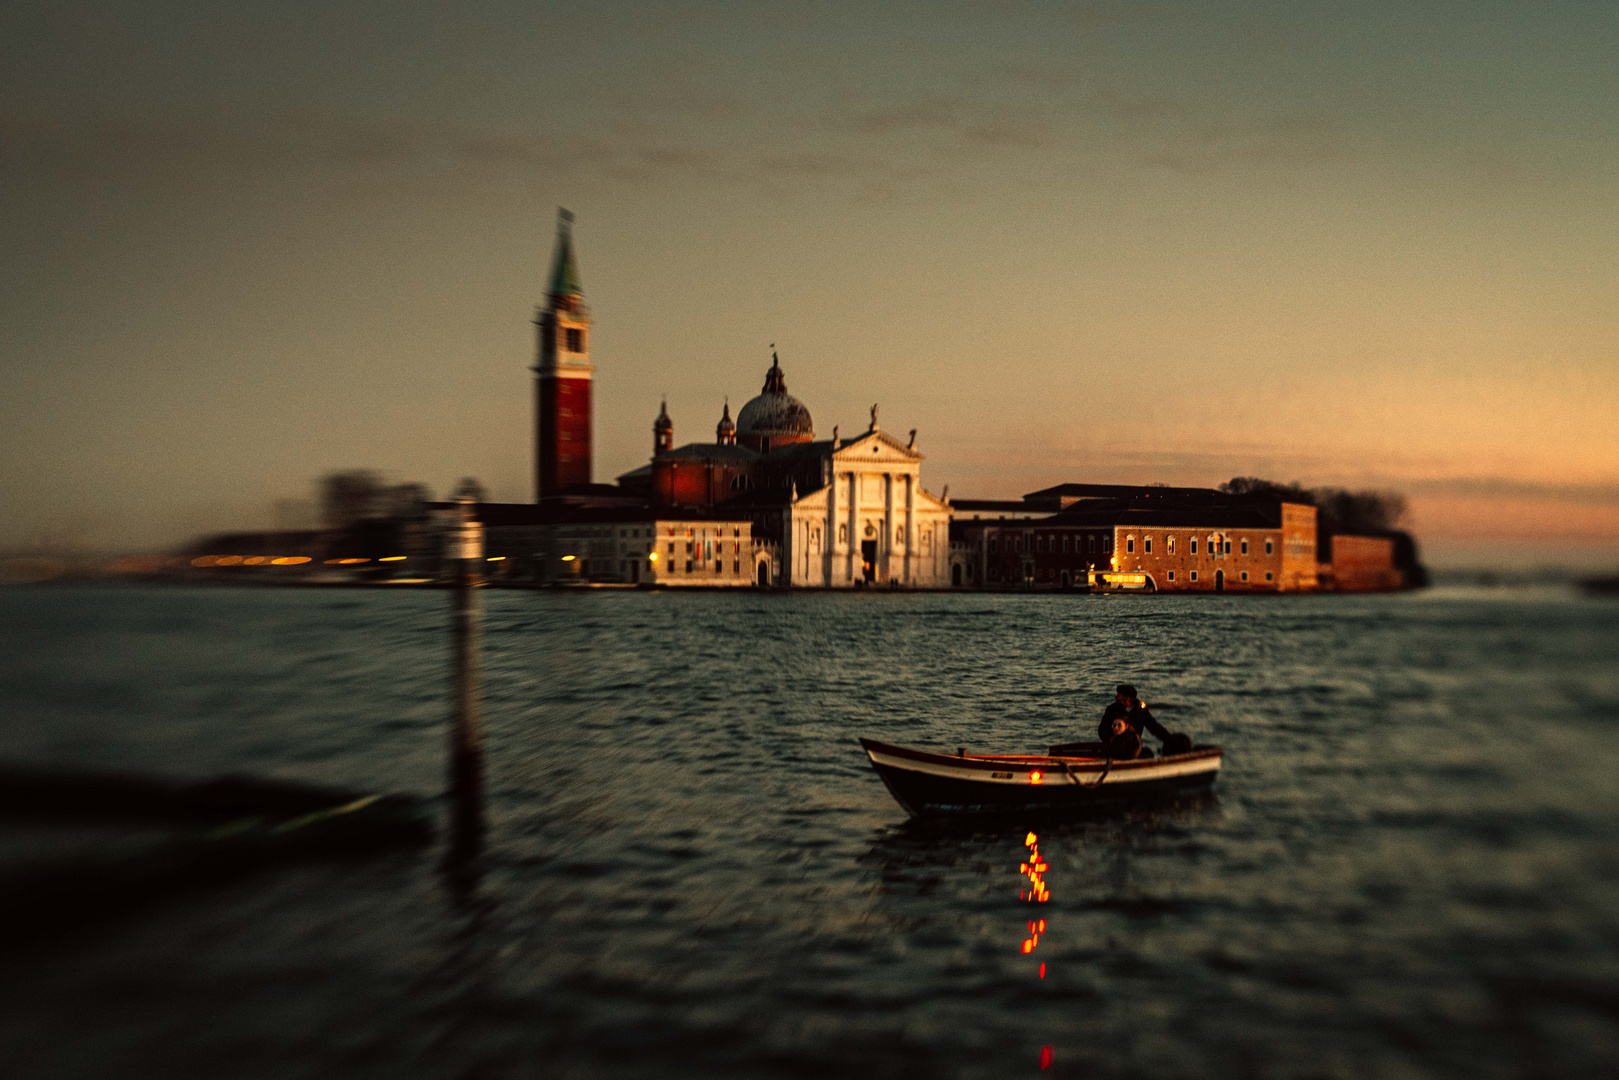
[1409, 868]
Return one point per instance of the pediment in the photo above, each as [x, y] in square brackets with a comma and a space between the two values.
[875, 446]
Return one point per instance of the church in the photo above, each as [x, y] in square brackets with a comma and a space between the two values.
[764, 503]
[769, 504]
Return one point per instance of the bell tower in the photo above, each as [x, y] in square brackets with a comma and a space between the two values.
[562, 375]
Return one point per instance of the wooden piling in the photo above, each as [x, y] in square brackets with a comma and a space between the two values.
[465, 559]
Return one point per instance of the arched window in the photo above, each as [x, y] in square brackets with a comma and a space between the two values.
[1129, 544]
[1171, 540]
[843, 534]
[1146, 545]
[899, 536]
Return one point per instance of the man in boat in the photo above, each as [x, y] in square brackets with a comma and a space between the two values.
[1124, 721]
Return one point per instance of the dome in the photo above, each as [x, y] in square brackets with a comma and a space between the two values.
[775, 417]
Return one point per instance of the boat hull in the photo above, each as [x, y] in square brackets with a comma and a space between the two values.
[938, 785]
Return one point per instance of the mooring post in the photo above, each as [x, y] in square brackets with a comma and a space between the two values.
[465, 557]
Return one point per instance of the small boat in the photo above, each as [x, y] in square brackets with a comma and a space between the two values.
[1070, 776]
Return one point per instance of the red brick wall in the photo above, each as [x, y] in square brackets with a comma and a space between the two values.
[1263, 567]
[563, 434]
[692, 483]
[1364, 563]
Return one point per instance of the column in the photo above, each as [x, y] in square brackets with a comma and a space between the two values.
[852, 559]
[911, 566]
[829, 550]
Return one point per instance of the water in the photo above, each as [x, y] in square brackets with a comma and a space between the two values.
[1409, 867]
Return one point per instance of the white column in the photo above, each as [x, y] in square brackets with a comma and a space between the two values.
[886, 548]
[910, 529]
[854, 527]
[829, 550]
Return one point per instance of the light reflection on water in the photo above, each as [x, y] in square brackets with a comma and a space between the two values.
[1408, 867]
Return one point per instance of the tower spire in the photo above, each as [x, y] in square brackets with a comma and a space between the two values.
[564, 268]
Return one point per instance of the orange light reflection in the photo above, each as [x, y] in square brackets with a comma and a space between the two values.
[1034, 868]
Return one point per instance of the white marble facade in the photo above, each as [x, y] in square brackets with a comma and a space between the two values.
[870, 524]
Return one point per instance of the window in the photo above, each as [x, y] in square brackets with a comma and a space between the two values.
[1171, 547]
[1040, 543]
[736, 566]
[1228, 547]
[1146, 545]
[1129, 543]
[1267, 575]
[688, 566]
[671, 549]
[719, 566]
[899, 536]
[1093, 543]
[1194, 575]
[843, 534]
[1065, 545]
[576, 339]
[1107, 544]
[1245, 547]
[1194, 552]
[1017, 543]
[1245, 575]
[994, 546]
[1267, 552]
[1172, 575]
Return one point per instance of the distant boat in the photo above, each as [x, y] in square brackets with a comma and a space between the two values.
[1606, 586]
[941, 785]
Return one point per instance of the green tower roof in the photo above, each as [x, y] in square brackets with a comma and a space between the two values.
[564, 270]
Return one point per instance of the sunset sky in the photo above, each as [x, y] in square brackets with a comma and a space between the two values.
[1361, 245]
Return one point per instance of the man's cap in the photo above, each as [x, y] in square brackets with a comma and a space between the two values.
[1127, 690]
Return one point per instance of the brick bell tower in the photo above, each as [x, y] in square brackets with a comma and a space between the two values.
[562, 375]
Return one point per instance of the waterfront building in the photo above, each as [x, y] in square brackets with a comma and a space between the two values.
[838, 513]
[1361, 564]
[1170, 540]
[768, 503]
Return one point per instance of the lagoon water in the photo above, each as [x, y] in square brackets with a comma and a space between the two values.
[1409, 868]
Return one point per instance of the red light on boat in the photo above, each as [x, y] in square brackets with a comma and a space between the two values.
[1045, 1057]
[1042, 971]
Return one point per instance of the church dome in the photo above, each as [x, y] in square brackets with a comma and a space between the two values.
[775, 417]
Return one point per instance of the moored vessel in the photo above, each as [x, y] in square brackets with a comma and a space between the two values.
[1071, 776]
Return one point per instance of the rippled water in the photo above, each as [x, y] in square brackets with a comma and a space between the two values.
[1408, 868]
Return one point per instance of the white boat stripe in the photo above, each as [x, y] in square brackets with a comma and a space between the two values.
[1049, 776]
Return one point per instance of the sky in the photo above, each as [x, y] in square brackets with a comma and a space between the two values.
[1367, 245]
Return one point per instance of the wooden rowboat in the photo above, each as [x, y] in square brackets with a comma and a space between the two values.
[1071, 776]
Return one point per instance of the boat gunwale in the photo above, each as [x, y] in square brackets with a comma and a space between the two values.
[997, 762]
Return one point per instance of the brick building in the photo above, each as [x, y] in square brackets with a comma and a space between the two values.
[1361, 564]
[1158, 539]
